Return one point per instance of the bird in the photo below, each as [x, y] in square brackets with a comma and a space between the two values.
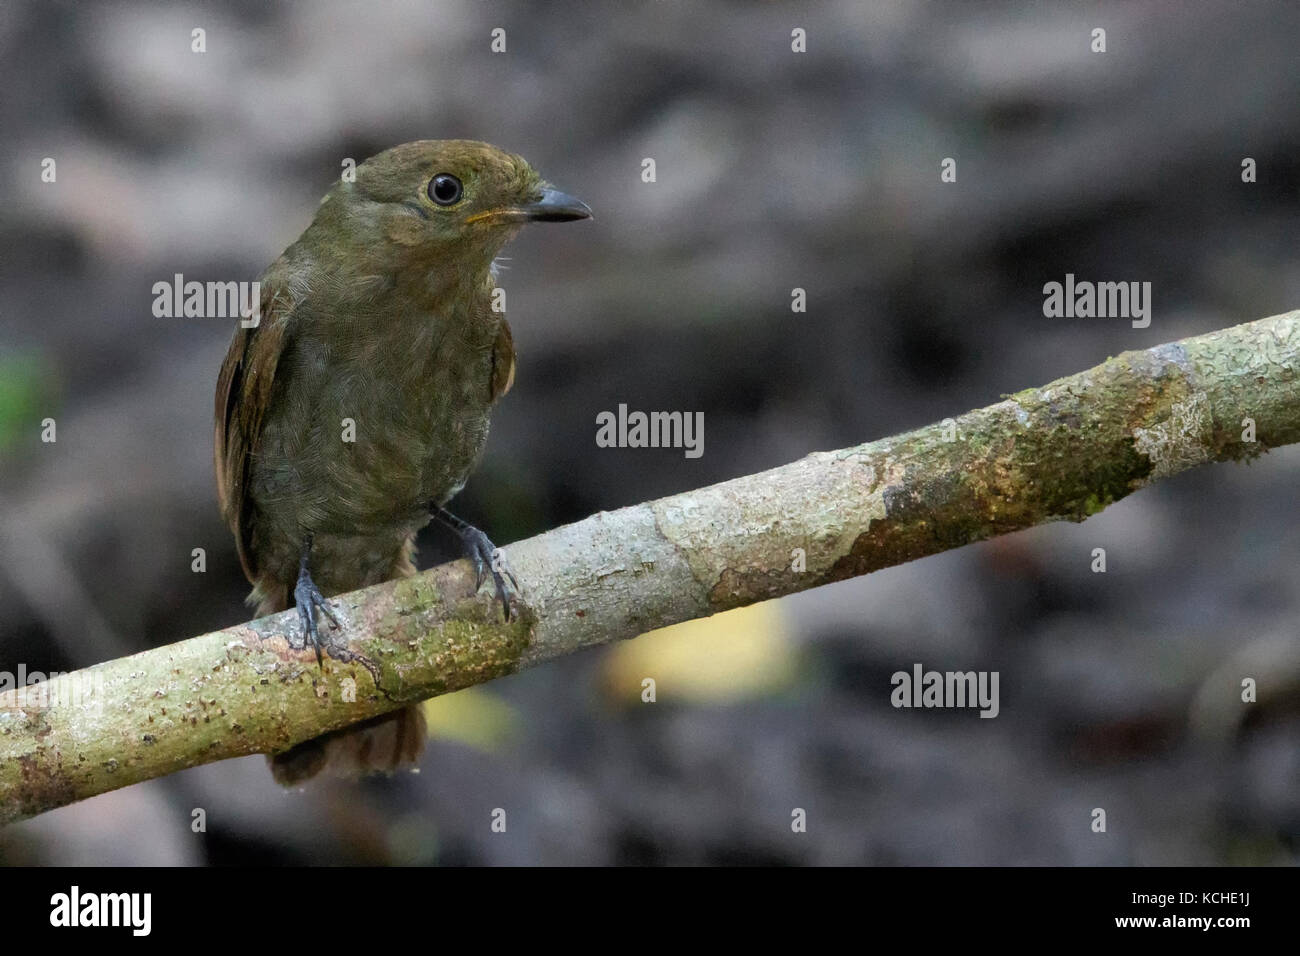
[356, 405]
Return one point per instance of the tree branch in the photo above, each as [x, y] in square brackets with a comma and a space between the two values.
[1064, 451]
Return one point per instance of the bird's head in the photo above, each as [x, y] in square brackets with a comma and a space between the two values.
[444, 201]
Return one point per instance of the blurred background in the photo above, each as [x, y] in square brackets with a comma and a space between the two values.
[775, 170]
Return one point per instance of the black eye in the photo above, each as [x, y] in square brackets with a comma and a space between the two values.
[444, 189]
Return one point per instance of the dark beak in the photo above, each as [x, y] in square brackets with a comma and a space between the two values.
[555, 206]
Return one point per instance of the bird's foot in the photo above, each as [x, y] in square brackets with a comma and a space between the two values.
[308, 598]
[486, 557]
[489, 559]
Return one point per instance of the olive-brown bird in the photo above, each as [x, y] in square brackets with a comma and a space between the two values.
[358, 405]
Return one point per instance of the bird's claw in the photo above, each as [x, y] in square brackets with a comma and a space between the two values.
[489, 559]
[486, 557]
[308, 598]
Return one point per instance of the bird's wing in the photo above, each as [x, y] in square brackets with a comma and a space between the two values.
[503, 363]
[243, 395]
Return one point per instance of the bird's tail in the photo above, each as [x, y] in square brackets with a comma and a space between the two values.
[383, 744]
[379, 745]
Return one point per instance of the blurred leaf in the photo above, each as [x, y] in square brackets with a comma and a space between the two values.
[24, 389]
[474, 717]
[727, 657]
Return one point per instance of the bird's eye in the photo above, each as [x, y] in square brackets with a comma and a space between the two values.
[445, 189]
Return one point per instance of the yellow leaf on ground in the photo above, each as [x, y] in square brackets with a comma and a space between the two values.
[474, 717]
[727, 657]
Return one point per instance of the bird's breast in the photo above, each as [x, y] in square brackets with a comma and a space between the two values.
[379, 422]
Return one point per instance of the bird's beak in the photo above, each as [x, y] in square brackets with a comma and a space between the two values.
[553, 206]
